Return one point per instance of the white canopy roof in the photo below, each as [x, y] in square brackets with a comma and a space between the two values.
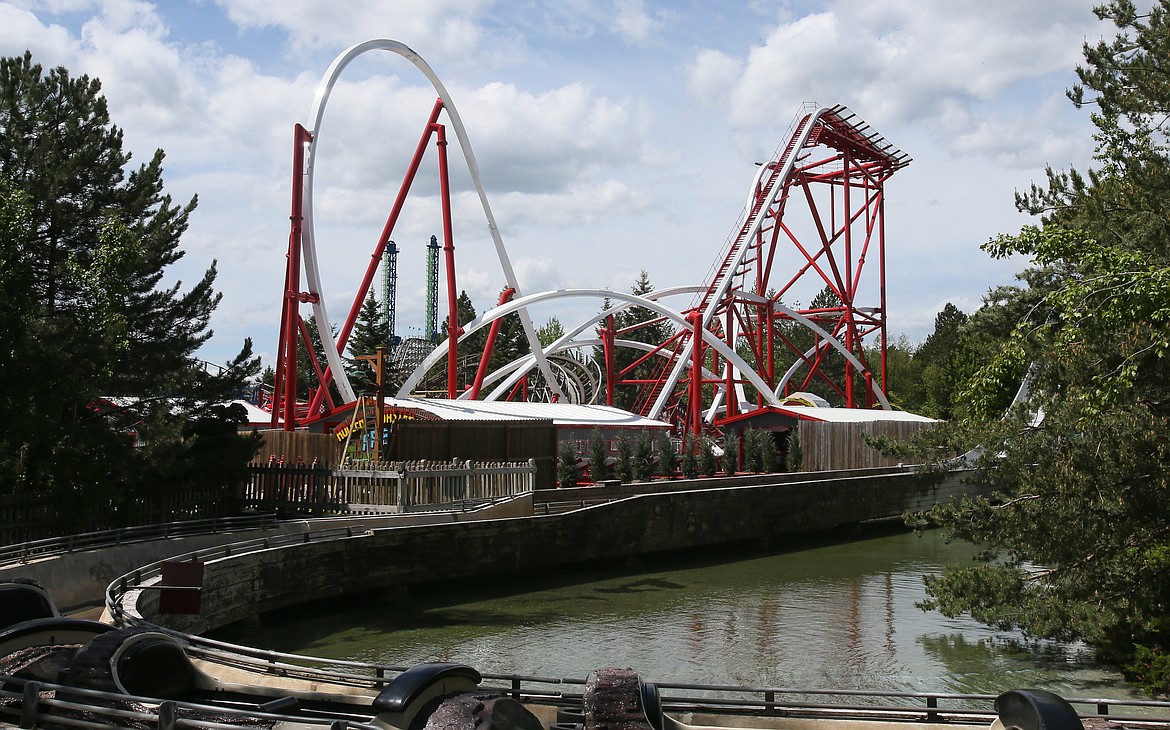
[561, 414]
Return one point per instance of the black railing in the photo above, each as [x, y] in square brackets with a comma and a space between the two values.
[32, 550]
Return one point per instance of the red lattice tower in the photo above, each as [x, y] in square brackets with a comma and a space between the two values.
[814, 219]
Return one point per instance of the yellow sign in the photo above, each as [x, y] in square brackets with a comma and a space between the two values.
[357, 424]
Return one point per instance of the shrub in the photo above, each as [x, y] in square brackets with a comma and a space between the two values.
[643, 456]
[769, 459]
[751, 454]
[597, 456]
[567, 471]
[707, 463]
[667, 456]
[795, 458]
[730, 459]
[624, 465]
[689, 464]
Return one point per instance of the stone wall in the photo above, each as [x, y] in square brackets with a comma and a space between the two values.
[78, 580]
[240, 587]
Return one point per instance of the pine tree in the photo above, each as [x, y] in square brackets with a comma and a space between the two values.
[85, 246]
[1076, 540]
[470, 348]
[371, 331]
[640, 325]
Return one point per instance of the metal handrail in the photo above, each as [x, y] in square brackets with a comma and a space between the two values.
[25, 551]
[32, 708]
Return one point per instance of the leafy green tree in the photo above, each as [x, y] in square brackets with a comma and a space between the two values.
[903, 373]
[105, 400]
[1076, 538]
[550, 331]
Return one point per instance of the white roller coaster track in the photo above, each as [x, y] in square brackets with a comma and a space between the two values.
[308, 241]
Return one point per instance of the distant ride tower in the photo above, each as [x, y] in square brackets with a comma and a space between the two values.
[432, 325]
[390, 292]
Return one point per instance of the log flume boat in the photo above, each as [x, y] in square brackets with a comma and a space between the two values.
[61, 672]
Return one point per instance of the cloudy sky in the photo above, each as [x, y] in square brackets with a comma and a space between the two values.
[612, 135]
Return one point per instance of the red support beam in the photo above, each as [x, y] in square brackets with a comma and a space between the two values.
[481, 373]
[383, 241]
[284, 394]
[454, 326]
[607, 337]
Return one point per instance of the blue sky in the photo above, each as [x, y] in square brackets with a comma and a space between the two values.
[613, 135]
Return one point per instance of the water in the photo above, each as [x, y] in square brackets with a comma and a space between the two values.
[823, 616]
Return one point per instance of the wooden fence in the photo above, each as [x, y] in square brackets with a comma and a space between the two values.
[24, 517]
[829, 446]
[384, 488]
[293, 447]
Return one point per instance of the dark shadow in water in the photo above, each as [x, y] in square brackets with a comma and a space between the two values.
[642, 586]
[973, 665]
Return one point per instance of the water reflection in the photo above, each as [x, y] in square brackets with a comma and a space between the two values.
[825, 616]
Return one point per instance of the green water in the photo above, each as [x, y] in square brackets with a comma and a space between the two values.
[824, 616]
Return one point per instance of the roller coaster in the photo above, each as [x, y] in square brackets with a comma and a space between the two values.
[696, 356]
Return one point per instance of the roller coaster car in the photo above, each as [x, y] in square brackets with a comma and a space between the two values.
[1034, 709]
[23, 600]
[619, 698]
[446, 695]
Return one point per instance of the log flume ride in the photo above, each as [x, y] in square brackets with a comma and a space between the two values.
[61, 672]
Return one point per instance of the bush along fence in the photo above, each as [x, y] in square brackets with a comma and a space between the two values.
[384, 488]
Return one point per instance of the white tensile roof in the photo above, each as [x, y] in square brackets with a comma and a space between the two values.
[561, 414]
[851, 415]
[256, 416]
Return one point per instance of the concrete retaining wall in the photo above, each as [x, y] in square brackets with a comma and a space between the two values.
[242, 586]
[78, 580]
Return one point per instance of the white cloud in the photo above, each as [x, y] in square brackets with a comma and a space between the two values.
[634, 24]
[446, 31]
[958, 70]
[20, 30]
